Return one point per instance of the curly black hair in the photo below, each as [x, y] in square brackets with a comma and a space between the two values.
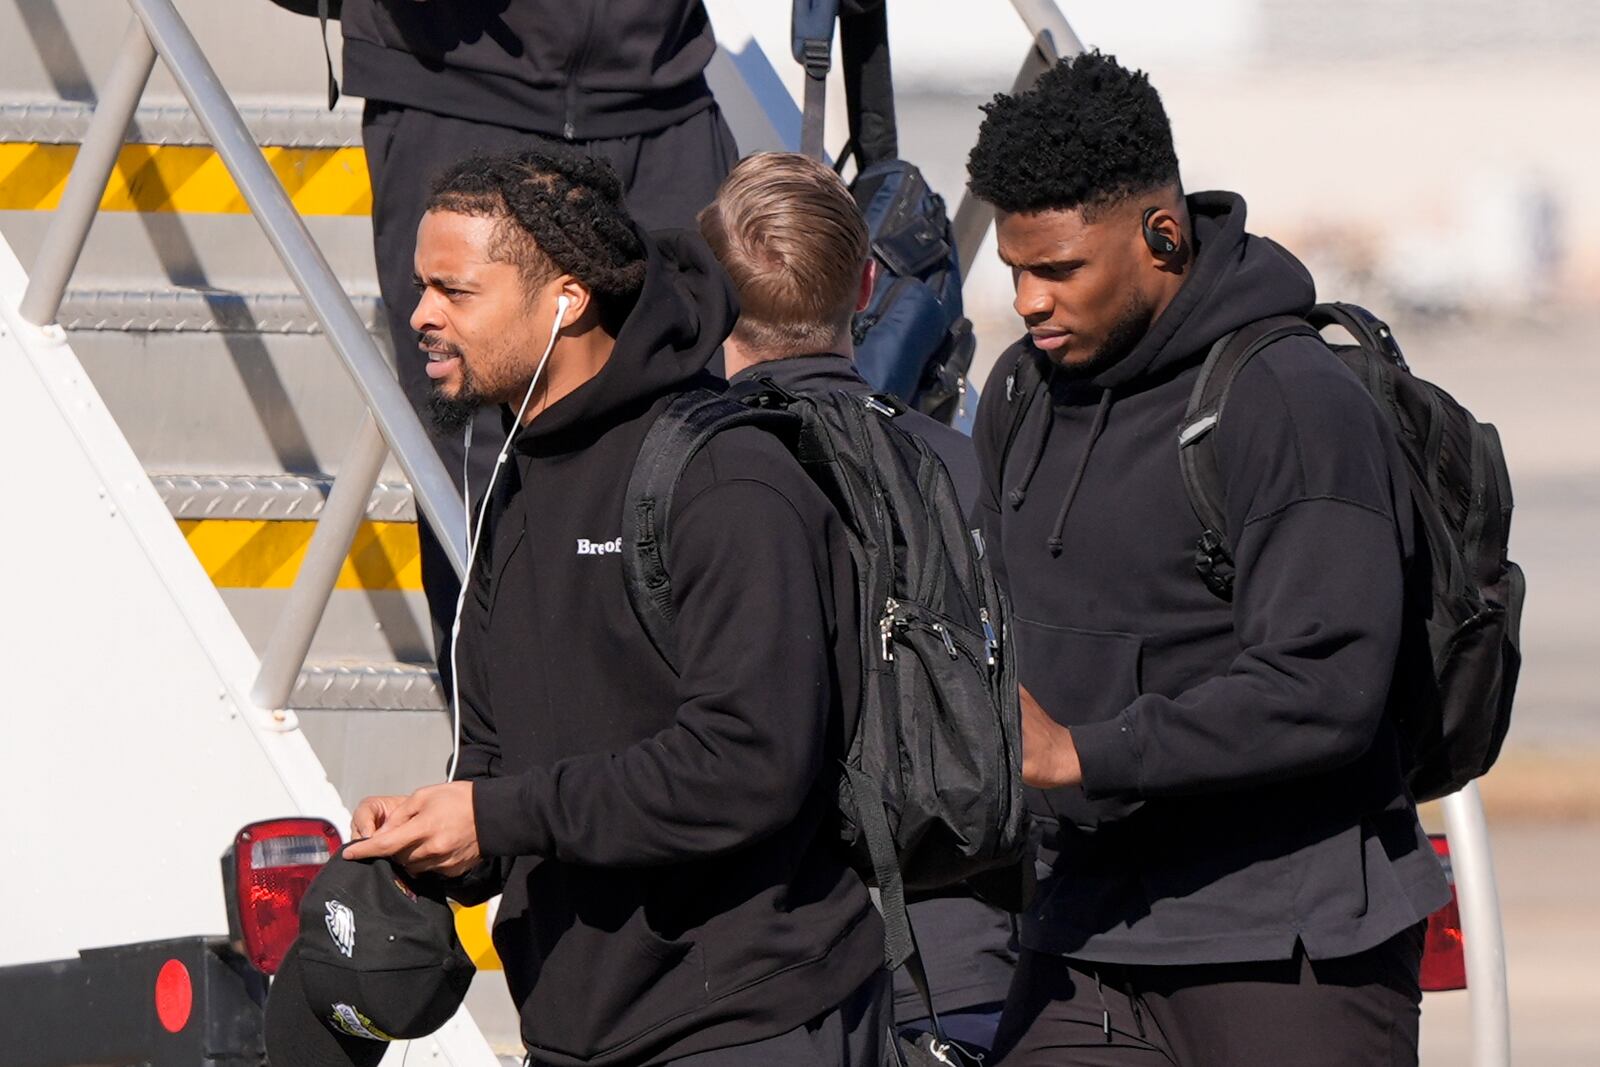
[560, 212]
[1090, 133]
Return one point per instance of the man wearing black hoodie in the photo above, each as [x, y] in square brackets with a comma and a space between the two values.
[622, 81]
[672, 890]
[1234, 872]
[792, 239]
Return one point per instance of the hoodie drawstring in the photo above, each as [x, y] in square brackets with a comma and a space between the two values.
[1105, 1009]
[1101, 413]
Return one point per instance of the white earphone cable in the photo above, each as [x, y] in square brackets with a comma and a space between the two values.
[475, 530]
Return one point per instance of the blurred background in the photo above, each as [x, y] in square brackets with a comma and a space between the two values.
[1436, 162]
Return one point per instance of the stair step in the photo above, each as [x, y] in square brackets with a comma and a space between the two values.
[65, 122]
[367, 687]
[285, 497]
[196, 310]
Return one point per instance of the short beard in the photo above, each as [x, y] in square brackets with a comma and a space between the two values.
[450, 415]
[1125, 333]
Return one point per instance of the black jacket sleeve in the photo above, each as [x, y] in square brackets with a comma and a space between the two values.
[755, 620]
[1319, 527]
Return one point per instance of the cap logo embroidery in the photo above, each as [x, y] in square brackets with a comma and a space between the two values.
[352, 1022]
[341, 922]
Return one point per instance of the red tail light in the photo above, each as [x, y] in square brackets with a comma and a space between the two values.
[1444, 960]
[265, 873]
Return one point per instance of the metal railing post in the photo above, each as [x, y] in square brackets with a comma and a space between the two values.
[973, 216]
[270, 205]
[1479, 899]
[91, 170]
[1053, 39]
[285, 654]
[1044, 19]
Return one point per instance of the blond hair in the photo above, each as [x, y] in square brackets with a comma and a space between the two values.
[790, 236]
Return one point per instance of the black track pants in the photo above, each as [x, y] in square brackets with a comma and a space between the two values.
[1357, 1011]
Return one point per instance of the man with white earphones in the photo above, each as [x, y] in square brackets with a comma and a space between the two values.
[671, 887]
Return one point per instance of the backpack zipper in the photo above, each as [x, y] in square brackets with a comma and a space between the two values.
[991, 647]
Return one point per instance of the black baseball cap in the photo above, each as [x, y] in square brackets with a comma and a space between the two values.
[377, 960]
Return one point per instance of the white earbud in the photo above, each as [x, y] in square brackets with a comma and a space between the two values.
[475, 529]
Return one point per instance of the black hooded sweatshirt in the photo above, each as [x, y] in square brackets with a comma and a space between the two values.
[672, 883]
[1242, 785]
[580, 70]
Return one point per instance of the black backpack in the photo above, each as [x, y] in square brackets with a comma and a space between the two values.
[1454, 686]
[912, 340]
[930, 792]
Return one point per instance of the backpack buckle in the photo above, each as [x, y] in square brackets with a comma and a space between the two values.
[1214, 564]
[817, 58]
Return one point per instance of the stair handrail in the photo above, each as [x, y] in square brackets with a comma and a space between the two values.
[159, 30]
[390, 425]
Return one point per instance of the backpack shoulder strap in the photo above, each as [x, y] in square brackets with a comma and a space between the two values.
[1021, 385]
[1197, 455]
[811, 41]
[868, 83]
[679, 432]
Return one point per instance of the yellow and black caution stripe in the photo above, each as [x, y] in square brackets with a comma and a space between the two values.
[266, 554]
[472, 927]
[186, 178]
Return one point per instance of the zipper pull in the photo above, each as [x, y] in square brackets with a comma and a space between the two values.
[990, 644]
[949, 645]
[886, 629]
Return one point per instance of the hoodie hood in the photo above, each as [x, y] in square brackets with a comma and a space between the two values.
[1237, 278]
[685, 309]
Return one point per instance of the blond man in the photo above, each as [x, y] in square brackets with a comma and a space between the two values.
[790, 236]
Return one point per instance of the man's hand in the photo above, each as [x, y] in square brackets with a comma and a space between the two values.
[1049, 757]
[371, 814]
[431, 831]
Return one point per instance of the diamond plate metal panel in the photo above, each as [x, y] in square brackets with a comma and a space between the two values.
[64, 122]
[284, 497]
[367, 687]
[200, 311]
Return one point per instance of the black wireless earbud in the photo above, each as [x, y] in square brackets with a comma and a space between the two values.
[1159, 242]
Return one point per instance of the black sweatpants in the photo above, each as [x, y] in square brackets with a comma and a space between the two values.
[669, 174]
[1357, 1010]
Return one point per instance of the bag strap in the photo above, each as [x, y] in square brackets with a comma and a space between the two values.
[811, 42]
[899, 940]
[868, 86]
[324, 12]
[682, 429]
[1022, 385]
[1197, 454]
[868, 79]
